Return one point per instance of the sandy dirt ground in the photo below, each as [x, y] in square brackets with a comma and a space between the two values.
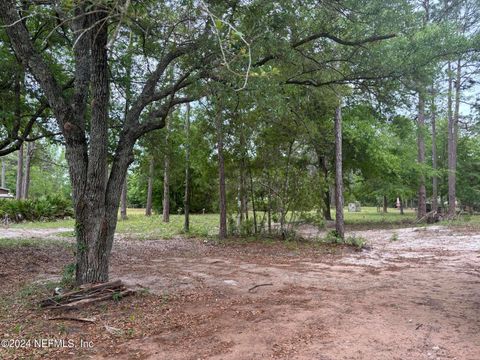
[412, 295]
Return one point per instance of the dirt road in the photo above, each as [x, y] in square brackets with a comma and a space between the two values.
[413, 295]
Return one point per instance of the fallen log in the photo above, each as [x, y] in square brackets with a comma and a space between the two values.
[87, 294]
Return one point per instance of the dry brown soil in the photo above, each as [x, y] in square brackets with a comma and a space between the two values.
[417, 297]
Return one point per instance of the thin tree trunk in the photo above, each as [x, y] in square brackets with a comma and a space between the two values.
[422, 205]
[253, 203]
[123, 201]
[186, 199]
[221, 176]
[166, 177]
[4, 170]
[148, 210]
[452, 136]
[19, 187]
[327, 215]
[401, 206]
[269, 210]
[18, 115]
[166, 190]
[434, 153]
[128, 98]
[339, 221]
[240, 201]
[385, 204]
[28, 164]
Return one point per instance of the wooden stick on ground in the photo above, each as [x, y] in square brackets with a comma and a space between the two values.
[257, 286]
[89, 320]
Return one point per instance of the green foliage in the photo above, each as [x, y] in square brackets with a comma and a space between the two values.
[313, 218]
[46, 208]
[355, 241]
[22, 242]
[68, 276]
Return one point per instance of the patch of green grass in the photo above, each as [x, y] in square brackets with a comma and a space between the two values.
[66, 234]
[143, 227]
[394, 237]
[64, 223]
[152, 227]
[369, 215]
[37, 290]
[466, 220]
[332, 238]
[22, 242]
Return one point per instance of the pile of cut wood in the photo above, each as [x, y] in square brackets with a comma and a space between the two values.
[87, 294]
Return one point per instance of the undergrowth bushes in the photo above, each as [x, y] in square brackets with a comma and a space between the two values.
[44, 208]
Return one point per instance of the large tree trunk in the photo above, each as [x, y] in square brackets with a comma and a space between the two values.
[339, 221]
[422, 193]
[28, 164]
[385, 204]
[433, 112]
[151, 167]
[83, 119]
[186, 199]
[452, 136]
[123, 201]
[221, 176]
[19, 187]
[95, 222]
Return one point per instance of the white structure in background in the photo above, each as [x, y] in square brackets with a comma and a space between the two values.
[354, 207]
[5, 194]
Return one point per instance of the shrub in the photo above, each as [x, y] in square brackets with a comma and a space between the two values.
[44, 208]
[313, 219]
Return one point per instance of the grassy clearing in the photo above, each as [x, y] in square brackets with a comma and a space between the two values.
[369, 215]
[23, 242]
[139, 226]
[464, 221]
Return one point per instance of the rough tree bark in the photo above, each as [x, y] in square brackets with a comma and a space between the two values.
[252, 192]
[18, 116]
[221, 174]
[452, 135]
[83, 119]
[95, 227]
[28, 165]
[433, 112]
[269, 210]
[166, 178]
[123, 201]
[422, 196]
[4, 170]
[339, 221]
[186, 199]
[323, 165]
[151, 167]
[19, 187]
[128, 100]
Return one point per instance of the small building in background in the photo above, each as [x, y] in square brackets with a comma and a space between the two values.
[5, 194]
